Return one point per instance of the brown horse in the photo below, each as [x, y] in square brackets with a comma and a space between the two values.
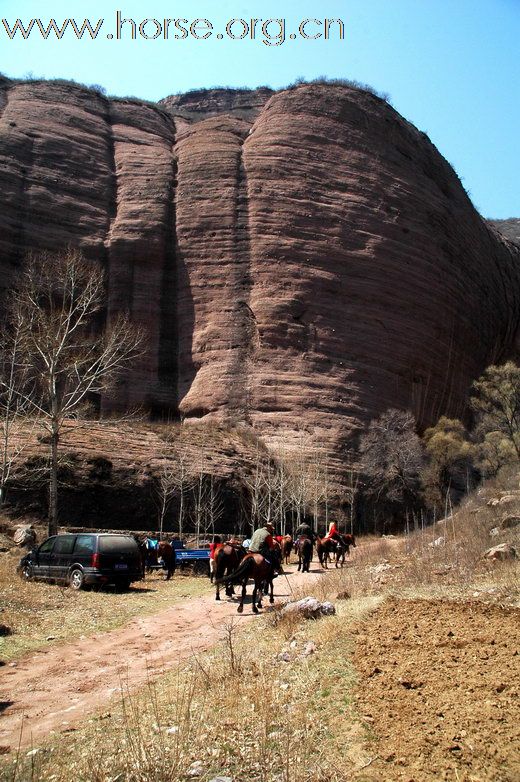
[287, 547]
[256, 567]
[227, 559]
[324, 548]
[304, 554]
[166, 553]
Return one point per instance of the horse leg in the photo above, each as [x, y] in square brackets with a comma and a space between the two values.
[229, 587]
[242, 598]
[217, 594]
[255, 590]
[271, 593]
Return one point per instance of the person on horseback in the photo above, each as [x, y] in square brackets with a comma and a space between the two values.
[263, 543]
[305, 531]
[333, 533]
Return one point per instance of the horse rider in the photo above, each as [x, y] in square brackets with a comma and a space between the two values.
[263, 543]
[305, 531]
[333, 533]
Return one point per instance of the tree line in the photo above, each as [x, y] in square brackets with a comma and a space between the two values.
[408, 476]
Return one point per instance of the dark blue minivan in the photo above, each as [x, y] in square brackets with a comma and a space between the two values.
[85, 558]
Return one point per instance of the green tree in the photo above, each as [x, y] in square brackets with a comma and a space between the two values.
[493, 452]
[496, 402]
[450, 454]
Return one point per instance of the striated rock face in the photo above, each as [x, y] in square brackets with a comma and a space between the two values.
[301, 260]
[197, 105]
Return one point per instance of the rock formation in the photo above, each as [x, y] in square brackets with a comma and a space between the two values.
[301, 260]
[509, 228]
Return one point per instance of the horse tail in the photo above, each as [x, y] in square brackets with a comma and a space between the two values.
[239, 574]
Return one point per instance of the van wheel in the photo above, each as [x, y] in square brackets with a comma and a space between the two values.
[76, 579]
[26, 572]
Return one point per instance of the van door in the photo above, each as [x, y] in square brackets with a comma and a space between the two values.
[42, 558]
[119, 557]
[60, 559]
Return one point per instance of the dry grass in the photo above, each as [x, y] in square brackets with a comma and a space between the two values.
[238, 711]
[260, 707]
[36, 611]
[443, 560]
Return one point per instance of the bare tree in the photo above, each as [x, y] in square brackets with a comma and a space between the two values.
[14, 408]
[215, 505]
[352, 489]
[165, 489]
[392, 458]
[69, 358]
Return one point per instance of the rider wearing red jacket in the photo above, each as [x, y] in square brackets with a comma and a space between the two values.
[333, 533]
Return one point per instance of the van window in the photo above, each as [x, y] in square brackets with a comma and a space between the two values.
[85, 544]
[46, 546]
[64, 544]
[117, 544]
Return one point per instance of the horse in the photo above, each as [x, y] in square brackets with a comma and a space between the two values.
[287, 546]
[166, 552]
[227, 559]
[304, 554]
[253, 566]
[343, 548]
[325, 547]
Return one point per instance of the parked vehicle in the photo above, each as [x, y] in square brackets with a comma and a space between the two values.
[85, 558]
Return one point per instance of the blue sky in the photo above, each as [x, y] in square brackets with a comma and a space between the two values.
[452, 67]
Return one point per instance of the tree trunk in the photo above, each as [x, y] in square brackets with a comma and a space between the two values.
[53, 481]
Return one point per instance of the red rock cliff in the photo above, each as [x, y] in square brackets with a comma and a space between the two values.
[301, 260]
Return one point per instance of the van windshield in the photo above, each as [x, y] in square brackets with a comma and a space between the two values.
[112, 544]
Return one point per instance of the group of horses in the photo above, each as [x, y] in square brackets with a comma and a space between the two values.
[233, 565]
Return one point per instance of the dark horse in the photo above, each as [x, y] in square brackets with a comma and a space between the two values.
[166, 553]
[227, 559]
[304, 554]
[343, 548]
[324, 548]
[253, 566]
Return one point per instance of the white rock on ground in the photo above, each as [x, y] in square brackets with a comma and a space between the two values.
[502, 552]
[309, 608]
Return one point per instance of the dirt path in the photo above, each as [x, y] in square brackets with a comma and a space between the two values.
[54, 688]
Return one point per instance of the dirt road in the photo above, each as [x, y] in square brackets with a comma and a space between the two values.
[56, 687]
